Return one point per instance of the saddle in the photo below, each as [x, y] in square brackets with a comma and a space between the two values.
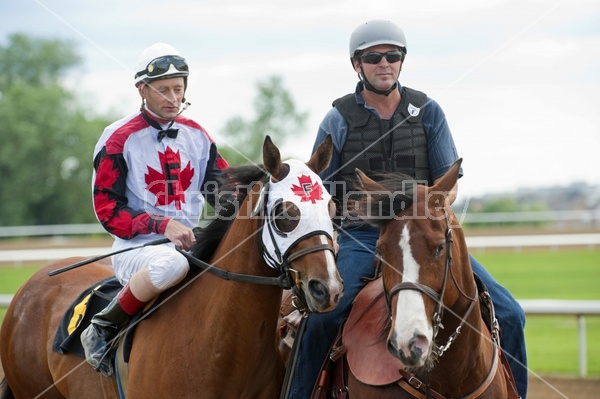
[360, 346]
[364, 335]
[362, 339]
[79, 316]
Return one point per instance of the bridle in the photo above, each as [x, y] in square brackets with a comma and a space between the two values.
[288, 277]
[278, 260]
[438, 297]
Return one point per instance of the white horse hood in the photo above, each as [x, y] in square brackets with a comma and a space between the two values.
[304, 188]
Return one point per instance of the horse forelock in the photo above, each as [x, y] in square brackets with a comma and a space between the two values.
[398, 195]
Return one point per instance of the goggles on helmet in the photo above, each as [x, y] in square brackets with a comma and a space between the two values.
[161, 65]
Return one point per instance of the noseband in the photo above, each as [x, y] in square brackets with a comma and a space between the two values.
[438, 297]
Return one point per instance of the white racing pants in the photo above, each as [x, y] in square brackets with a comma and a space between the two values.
[165, 266]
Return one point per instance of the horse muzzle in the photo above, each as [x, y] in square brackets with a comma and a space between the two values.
[414, 352]
[323, 297]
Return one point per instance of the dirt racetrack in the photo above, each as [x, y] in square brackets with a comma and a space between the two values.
[562, 387]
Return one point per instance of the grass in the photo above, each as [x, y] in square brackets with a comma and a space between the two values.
[553, 345]
[11, 278]
[552, 341]
[566, 274]
[14, 277]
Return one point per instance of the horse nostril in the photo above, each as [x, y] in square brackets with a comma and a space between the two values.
[318, 290]
[416, 352]
[418, 345]
[392, 348]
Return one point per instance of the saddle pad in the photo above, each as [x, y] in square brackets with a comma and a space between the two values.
[365, 335]
[80, 313]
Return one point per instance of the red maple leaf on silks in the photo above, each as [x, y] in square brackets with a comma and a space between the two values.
[307, 190]
[170, 184]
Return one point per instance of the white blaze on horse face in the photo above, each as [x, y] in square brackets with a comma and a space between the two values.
[335, 285]
[413, 332]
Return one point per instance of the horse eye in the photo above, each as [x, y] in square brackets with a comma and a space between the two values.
[440, 249]
[286, 217]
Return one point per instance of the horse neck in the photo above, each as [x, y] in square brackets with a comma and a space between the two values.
[466, 364]
[241, 238]
[238, 252]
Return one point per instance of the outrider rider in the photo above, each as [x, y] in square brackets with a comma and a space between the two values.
[386, 127]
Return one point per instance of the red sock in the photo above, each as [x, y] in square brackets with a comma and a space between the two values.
[129, 303]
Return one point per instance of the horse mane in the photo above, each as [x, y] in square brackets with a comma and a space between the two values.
[379, 207]
[233, 186]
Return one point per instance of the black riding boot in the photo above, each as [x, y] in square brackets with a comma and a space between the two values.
[97, 338]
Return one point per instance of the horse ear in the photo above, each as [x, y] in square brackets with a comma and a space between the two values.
[448, 181]
[367, 184]
[445, 184]
[272, 159]
[374, 202]
[322, 157]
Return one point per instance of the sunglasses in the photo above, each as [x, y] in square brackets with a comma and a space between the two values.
[161, 65]
[375, 58]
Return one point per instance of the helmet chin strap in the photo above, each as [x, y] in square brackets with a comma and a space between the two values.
[370, 87]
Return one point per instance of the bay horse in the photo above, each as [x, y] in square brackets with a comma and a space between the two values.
[214, 336]
[435, 343]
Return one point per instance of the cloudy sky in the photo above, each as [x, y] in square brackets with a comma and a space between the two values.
[519, 80]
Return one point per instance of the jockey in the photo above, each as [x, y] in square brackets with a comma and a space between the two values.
[153, 172]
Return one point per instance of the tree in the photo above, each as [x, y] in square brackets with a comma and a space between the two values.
[47, 139]
[276, 116]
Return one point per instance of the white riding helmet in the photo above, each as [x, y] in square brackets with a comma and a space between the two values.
[160, 61]
[375, 32]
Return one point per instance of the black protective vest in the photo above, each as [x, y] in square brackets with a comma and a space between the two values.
[372, 145]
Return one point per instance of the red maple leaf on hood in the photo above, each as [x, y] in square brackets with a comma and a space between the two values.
[307, 190]
[169, 185]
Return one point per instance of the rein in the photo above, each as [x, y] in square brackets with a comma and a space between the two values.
[284, 280]
[289, 277]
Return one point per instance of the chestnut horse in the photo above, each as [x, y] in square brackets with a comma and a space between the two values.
[214, 336]
[441, 346]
